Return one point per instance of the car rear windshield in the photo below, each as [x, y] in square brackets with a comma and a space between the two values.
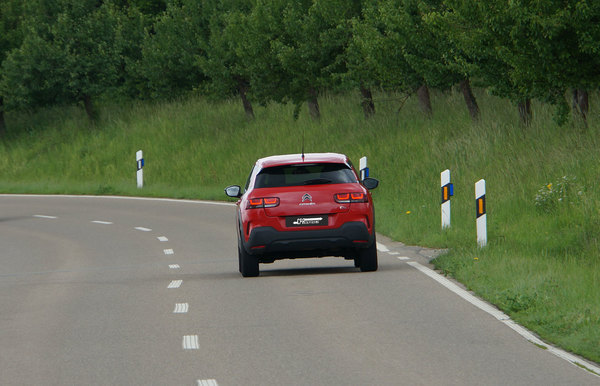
[304, 174]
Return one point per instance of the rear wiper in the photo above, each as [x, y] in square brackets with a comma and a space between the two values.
[317, 181]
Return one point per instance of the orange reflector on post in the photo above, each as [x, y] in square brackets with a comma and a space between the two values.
[480, 206]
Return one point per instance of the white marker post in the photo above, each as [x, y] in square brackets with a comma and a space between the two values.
[364, 170]
[481, 213]
[140, 172]
[447, 192]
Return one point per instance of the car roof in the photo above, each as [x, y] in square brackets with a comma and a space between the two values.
[289, 159]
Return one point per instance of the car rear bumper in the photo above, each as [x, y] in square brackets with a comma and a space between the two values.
[271, 244]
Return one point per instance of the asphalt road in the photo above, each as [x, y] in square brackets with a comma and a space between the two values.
[114, 291]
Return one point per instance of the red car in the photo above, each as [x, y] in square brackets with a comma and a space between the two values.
[305, 205]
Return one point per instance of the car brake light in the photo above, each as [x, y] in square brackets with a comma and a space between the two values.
[359, 197]
[255, 203]
[266, 202]
[345, 198]
[271, 202]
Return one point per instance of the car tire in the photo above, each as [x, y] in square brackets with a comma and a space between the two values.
[367, 258]
[248, 264]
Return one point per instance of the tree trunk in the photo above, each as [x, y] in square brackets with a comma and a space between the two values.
[313, 104]
[243, 89]
[424, 100]
[525, 112]
[580, 103]
[2, 122]
[465, 87]
[367, 102]
[89, 107]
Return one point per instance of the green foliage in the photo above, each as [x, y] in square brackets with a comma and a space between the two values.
[222, 64]
[10, 26]
[528, 49]
[171, 50]
[375, 54]
[67, 55]
[565, 191]
[291, 49]
[67, 51]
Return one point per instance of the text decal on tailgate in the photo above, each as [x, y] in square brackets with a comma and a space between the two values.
[303, 221]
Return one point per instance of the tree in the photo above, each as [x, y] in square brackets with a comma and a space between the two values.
[222, 64]
[378, 54]
[68, 55]
[171, 49]
[426, 49]
[529, 49]
[10, 38]
[291, 49]
[132, 25]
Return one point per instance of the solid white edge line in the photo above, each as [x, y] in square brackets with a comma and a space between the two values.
[501, 316]
[121, 198]
[460, 292]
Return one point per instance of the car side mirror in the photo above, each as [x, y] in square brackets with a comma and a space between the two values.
[370, 183]
[233, 191]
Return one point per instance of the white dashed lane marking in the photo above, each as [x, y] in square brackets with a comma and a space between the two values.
[44, 216]
[102, 222]
[143, 229]
[207, 382]
[169, 252]
[162, 238]
[174, 266]
[190, 342]
[181, 308]
[382, 248]
[403, 258]
[175, 284]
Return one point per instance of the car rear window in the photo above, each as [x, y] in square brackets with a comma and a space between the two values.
[304, 174]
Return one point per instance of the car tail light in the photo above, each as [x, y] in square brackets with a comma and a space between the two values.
[264, 202]
[345, 198]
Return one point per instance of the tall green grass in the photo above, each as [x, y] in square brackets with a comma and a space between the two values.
[542, 262]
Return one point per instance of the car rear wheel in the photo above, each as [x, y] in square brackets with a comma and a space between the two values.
[248, 263]
[367, 258]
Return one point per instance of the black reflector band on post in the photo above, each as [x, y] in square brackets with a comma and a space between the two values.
[480, 206]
